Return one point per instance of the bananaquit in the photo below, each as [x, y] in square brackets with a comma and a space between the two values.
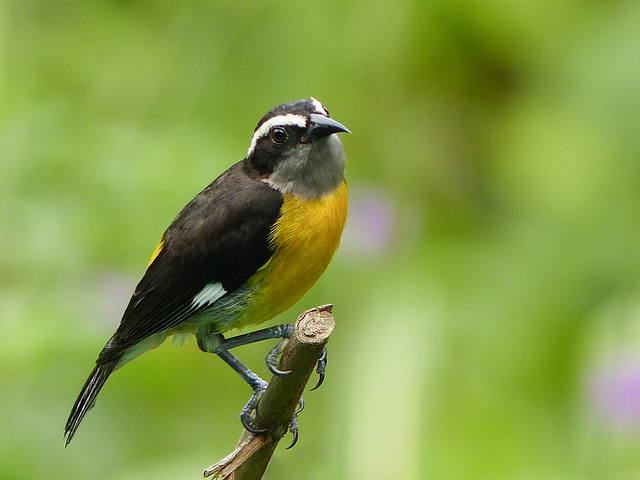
[244, 250]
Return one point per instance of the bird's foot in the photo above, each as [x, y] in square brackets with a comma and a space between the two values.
[321, 368]
[293, 426]
[272, 361]
[246, 414]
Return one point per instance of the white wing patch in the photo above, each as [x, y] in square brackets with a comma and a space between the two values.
[208, 295]
[288, 119]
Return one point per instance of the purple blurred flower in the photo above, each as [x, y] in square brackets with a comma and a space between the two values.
[371, 223]
[614, 392]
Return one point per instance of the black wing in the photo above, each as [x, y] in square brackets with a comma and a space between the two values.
[222, 235]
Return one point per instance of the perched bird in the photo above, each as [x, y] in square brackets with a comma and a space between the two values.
[244, 250]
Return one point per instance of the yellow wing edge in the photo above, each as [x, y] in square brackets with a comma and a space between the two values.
[157, 251]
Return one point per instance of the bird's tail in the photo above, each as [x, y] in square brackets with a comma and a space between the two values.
[87, 397]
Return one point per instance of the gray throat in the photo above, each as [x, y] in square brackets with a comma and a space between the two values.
[311, 170]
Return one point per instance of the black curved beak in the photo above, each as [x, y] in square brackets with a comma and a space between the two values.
[321, 126]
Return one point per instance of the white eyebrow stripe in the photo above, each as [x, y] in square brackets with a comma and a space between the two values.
[287, 120]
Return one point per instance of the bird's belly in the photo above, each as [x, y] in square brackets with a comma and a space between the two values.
[305, 237]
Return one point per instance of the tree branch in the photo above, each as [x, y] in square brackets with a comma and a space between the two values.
[278, 402]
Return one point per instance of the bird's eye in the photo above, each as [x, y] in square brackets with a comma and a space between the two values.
[278, 135]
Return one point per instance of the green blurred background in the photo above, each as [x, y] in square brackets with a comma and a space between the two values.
[487, 291]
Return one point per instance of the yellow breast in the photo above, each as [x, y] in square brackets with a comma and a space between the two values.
[304, 238]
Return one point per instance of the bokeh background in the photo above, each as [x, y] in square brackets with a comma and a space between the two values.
[487, 290]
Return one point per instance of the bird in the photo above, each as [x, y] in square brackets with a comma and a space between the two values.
[243, 251]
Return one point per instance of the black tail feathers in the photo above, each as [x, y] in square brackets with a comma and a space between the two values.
[87, 397]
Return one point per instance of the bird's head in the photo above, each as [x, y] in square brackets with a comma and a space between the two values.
[294, 149]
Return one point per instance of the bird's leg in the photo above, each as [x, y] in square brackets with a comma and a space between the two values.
[257, 384]
[216, 343]
[277, 331]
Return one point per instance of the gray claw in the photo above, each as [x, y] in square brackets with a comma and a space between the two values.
[245, 414]
[320, 369]
[293, 428]
[272, 359]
